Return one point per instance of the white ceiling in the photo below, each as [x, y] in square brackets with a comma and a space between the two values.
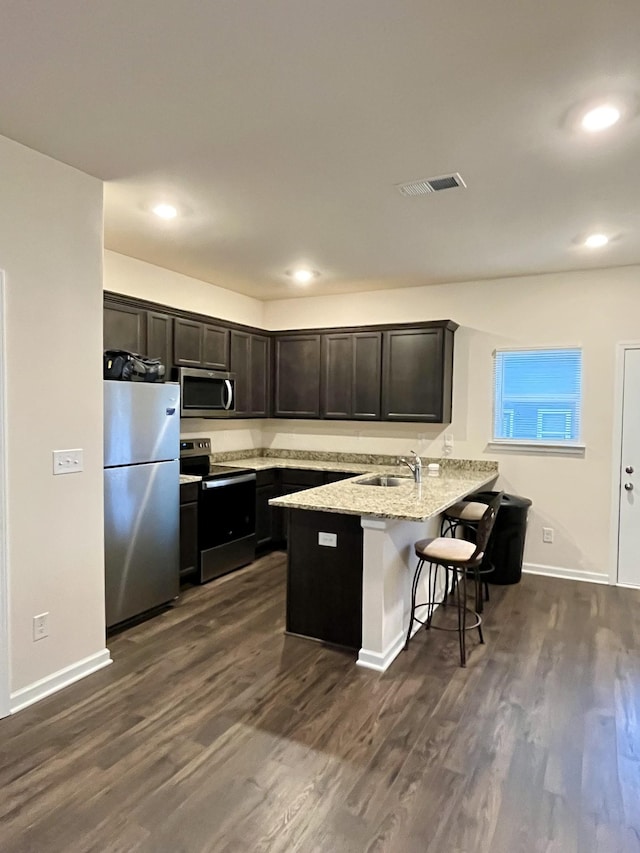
[280, 127]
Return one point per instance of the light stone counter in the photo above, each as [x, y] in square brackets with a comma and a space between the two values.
[189, 478]
[408, 502]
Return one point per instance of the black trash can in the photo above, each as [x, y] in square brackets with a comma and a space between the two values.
[503, 559]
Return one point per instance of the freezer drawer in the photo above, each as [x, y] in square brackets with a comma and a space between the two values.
[142, 538]
[141, 422]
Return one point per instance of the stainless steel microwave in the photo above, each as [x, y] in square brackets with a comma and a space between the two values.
[206, 393]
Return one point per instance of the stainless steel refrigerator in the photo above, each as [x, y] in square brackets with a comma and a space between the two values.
[141, 496]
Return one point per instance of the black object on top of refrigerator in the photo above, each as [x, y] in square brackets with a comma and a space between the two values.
[141, 497]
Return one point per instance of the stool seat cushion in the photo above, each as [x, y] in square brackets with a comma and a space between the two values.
[466, 511]
[445, 550]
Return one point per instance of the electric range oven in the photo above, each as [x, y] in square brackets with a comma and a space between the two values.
[226, 511]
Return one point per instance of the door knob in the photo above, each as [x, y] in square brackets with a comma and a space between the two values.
[628, 487]
[629, 469]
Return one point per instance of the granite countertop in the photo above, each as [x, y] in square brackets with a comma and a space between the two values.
[264, 463]
[353, 463]
[189, 478]
[409, 501]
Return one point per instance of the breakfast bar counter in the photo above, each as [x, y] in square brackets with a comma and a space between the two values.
[351, 553]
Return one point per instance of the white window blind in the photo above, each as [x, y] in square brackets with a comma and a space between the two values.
[537, 395]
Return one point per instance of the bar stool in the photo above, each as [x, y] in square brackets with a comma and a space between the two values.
[465, 514]
[461, 558]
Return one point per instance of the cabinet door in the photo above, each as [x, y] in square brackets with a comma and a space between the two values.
[337, 376]
[124, 327]
[187, 343]
[188, 538]
[266, 517]
[367, 375]
[215, 347]
[324, 585]
[240, 359]
[159, 338]
[297, 376]
[412, 387]
[260, 363]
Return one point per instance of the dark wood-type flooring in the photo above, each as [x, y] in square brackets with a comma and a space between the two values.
[212, 731]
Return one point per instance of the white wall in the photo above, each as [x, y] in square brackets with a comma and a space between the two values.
[51, 251]
[146, 281]
[592, 309]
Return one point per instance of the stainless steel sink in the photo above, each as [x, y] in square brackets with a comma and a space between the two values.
[384, 480]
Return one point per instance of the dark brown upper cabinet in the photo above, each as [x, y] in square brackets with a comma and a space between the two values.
[241, 365]
[136, 330]
[215, 347]
[389, 373]
[159, 338]
[200, 345]
[124, 327]
[417, 374]
[260, 376]
[251, 365]
[297, 376]
[351, 371]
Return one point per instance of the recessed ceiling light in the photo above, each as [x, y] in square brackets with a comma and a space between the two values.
[600, 118]
[596, 241]
[165, 211]
[303, 275]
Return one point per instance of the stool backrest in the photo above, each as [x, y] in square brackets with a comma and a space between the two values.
[485, 526]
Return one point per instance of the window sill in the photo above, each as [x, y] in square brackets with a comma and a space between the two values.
[538, 447]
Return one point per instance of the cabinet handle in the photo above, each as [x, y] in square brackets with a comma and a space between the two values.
[629, 469]
[628, 487]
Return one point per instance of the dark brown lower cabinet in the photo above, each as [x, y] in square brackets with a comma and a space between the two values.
[268, 518]
[188, 529]
[271, 521]
[324, 583]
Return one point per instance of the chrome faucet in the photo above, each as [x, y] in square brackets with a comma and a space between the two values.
[415, 467]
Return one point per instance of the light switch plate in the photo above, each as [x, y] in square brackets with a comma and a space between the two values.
[328, 539]
[67, 461]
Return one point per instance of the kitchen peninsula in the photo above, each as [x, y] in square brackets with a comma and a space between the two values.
[351, 550]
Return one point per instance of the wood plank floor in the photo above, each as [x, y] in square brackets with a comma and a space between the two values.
[212, 731]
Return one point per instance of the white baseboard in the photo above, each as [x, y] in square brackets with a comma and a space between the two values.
[56, 681]
[567, 574]
[381, 661]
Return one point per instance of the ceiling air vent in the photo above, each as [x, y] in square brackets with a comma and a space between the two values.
[431, 185]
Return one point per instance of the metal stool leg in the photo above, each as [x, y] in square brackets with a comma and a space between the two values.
[433, 585]
[414, 590]
[463, 635]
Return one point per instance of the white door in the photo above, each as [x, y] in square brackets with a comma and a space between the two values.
[629, 530]
[4, 585]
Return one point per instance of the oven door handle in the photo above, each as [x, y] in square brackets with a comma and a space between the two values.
[229, 401]
[227, 481]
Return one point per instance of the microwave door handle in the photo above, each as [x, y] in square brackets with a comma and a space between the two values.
[229, 401]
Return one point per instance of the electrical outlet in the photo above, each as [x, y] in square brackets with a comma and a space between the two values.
[328, 539]
[67, 461]
[40, 626]
[547, 535]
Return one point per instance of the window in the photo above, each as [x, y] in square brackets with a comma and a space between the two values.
[537, 396]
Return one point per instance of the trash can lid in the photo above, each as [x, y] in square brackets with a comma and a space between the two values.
[507, 499]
